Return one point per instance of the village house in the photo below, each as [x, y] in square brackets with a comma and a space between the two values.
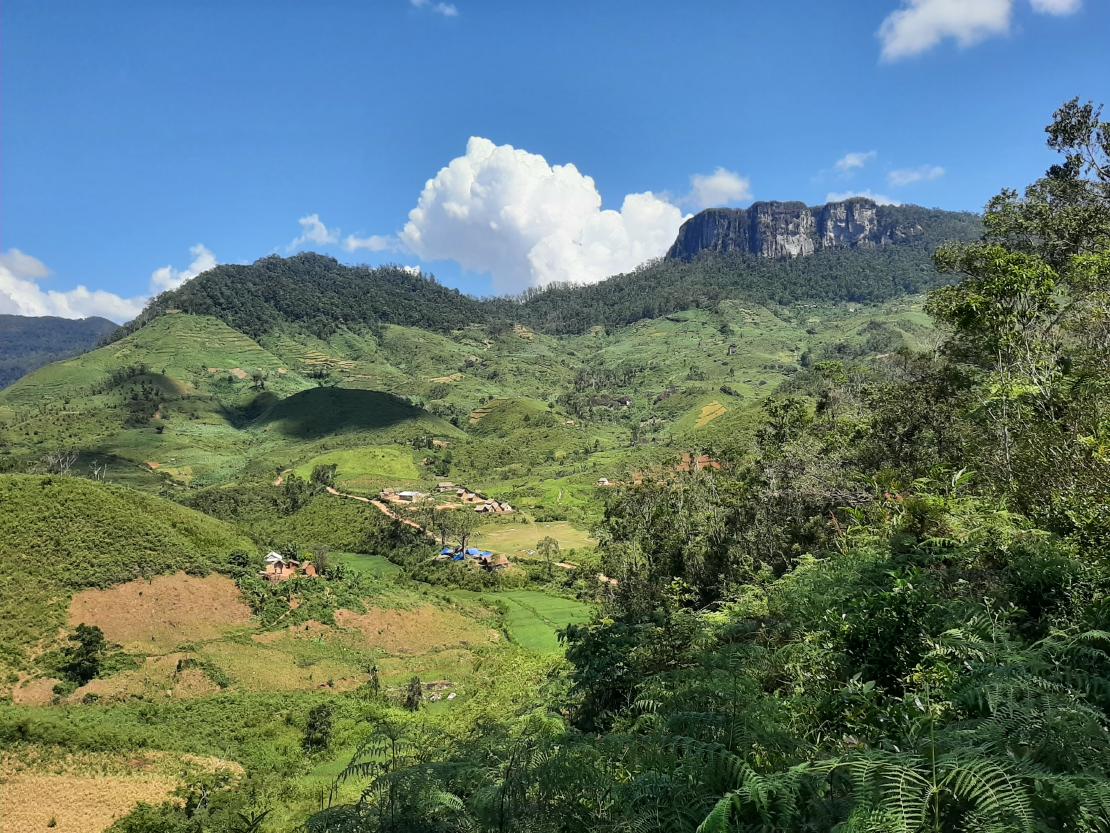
[282, 568]
[279, 568]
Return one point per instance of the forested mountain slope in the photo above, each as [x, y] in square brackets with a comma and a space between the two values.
[321, 295]
[29, 342]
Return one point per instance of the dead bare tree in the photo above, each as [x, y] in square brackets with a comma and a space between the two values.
[59, 462]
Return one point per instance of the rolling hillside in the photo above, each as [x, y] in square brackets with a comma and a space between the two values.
[61, 535]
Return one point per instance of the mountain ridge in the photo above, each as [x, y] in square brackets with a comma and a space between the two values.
[322, 295]
[779, 230]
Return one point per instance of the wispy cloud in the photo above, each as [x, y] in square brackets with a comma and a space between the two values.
[1057, 7]
[442, 9]
[908, 176]
[372, 243]
[922, 24]
[849, 163]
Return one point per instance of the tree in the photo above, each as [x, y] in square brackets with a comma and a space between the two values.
[1030, 320]
[59, 462]
[321, 558]
[83, 657]
[374, 682]
[323, 475]
[414, 694]
[318, 728]
[549, 551]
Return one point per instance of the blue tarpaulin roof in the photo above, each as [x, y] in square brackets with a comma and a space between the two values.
[447, 551]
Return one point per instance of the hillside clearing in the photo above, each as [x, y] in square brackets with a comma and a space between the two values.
[417, 631]
[157, 615]
[709, 413]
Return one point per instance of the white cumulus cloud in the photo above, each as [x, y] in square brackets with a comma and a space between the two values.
[851, 162]
[908, 176]
[718, 188]
[167, 277]
[313, 231]
[922, 24]
[840, 196]
[507, 212]
[20, 293]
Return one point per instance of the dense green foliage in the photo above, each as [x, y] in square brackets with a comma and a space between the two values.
[317, 292]
[891, 615]
[27, 343]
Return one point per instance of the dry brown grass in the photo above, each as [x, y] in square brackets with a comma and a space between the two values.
[43, 789]
[416, 631]
[158, 678]
[76, 804]
[34, 692]
[709, 413]
[156, 616]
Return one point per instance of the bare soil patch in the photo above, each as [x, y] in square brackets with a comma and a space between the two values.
[34, 692]
[154, 617]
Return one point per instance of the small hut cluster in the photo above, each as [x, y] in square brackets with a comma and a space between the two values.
[482, 558]
[282, 568]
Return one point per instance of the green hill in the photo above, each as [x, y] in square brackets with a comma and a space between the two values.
[320, 412]
[59, 535]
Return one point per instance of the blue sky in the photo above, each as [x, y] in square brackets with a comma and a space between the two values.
[136, 136]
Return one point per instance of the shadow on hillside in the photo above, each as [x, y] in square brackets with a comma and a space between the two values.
[321, 411]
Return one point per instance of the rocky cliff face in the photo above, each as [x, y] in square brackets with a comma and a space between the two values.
[790, 229]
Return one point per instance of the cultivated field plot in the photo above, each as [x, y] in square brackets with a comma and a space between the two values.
[371, 565]
[522, 539]
[368, 469]
[709, 413]
[533, 618]
[417, 631]
[156, 616]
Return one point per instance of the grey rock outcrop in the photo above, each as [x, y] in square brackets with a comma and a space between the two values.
[789, 229]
